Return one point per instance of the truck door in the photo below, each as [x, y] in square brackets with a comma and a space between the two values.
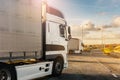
[52, 30]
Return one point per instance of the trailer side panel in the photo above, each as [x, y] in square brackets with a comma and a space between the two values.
[20, 26]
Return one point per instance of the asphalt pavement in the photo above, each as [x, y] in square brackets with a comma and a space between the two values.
[92, 65]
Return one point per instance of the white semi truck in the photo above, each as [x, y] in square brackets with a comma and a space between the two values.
[33, 40]
[75, 45]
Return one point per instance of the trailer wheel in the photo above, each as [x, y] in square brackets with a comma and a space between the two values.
[57, 66]
[81, 51]
[7, 74]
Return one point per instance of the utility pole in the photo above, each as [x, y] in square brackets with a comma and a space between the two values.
[82, 33]
[102, 38]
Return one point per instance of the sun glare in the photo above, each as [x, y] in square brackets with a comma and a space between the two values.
[53, 3]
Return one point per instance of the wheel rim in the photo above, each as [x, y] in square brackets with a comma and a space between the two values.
[58, 67]
[5, 75]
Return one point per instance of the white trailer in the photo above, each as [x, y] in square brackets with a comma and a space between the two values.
[75, 45]
[33, 40]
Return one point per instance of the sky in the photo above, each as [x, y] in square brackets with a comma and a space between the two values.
[95, 16]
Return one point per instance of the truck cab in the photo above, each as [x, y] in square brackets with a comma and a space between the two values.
[33, 40]
[56, 34]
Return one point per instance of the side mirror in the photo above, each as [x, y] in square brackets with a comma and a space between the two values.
[82, 44]
[69, 30]
[69, 33]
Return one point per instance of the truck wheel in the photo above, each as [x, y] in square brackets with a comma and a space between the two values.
[81, 51]
[7, 74]
[57, 67]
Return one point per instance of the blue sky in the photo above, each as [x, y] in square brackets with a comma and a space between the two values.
[100, 13]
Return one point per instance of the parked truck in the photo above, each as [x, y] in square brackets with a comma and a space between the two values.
[33, 40]
[75, 45]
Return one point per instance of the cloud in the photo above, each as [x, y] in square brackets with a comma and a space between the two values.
[86, 27]
[117, 35]
[102, 13]
[89, 26]
[107, 26]
[116, 22]
[77, 29]
[93, 35]
[106, 35]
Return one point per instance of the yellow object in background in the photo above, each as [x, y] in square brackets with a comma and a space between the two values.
[107, 50]
[117, 49]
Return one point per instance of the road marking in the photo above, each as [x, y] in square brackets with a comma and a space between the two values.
[105, 67]
[114, 75]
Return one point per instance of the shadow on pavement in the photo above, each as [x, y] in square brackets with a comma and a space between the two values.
[66, 76]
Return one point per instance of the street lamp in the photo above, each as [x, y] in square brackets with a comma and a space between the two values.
[102, 38]
[82, 33]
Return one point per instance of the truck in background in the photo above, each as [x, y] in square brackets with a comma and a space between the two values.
[75, 45]
[33, 40]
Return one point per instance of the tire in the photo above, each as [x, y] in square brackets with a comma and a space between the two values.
[57, 67]
[7, 74]
[81, 51]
